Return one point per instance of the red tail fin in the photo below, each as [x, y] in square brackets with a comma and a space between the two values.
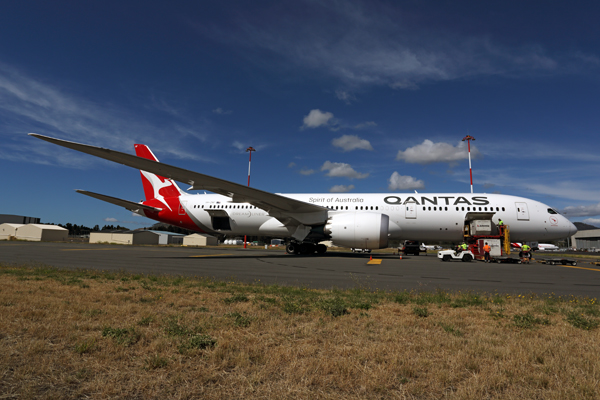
[155, 186]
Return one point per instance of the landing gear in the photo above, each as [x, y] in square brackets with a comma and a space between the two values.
[305, 248]
[292, 248]
[321, 249]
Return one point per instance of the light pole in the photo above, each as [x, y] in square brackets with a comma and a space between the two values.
[249, 150]
[468, 138]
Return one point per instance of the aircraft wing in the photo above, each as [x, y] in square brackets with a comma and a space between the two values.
[130, 205]
[283, 208]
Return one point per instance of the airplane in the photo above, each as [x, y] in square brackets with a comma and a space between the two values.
[539, 246]
[360, 220]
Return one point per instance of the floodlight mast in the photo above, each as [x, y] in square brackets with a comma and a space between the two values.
[468, 138]
[249, 150]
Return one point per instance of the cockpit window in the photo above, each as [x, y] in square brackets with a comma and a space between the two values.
[552, 211]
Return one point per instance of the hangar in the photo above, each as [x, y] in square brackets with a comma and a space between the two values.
[18, 219]
[9, 230]
[42, 233]
[136, 237]
[586, 239]
[199, 239]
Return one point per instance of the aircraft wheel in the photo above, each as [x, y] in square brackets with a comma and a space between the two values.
[446, 258]
[321, 249]
[292, 248]
[467, 258]
[307, 248]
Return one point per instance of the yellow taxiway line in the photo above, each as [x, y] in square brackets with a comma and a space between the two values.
[570, 266]
[375, 261]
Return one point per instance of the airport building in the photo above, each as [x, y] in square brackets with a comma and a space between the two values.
[587, 240]
[8, 230]
[199, 239]
[137, 237]
[18, 219]
[41, 233]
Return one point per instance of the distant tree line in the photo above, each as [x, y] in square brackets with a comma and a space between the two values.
[81, 230]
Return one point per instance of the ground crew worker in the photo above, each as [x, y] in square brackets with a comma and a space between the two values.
[501, 226]
[526, 250]
[460, 247]
[486, 255]
[500, 222]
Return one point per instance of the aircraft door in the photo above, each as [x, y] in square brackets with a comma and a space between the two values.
[522, 211]
[411, 211]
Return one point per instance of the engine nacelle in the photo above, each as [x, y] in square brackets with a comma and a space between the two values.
[359, 230]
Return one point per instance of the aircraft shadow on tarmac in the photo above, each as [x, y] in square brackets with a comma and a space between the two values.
[365, 257]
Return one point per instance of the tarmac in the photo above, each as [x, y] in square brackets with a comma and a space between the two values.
[331, 270]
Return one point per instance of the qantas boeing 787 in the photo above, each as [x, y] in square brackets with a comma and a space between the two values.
[365, 221]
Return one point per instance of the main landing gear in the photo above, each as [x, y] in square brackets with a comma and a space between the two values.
[305, 248]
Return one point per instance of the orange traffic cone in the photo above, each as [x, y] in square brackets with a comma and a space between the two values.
[371, 258]
[400, 256]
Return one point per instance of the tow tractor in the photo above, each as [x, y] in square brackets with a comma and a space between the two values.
[448, 255]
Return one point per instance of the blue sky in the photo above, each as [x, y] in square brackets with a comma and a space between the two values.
[358, 96]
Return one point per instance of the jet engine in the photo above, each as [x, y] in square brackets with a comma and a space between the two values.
[359, 230]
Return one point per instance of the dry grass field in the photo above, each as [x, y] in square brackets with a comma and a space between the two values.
[89, 334]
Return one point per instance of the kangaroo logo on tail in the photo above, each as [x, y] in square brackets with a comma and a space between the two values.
[155, 186]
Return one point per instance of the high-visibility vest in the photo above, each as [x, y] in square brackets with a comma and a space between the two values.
[526, 248]
[463, 246]
[487, 248]
[500, 222]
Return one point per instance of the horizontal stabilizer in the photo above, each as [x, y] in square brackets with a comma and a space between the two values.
[130, 205]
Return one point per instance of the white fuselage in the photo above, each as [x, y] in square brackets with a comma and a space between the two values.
[424, 217]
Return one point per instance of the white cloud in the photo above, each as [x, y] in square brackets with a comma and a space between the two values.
[307, 172]
[374, 43]
[351, 142]
[291, 165]
[582, 211]
[429, 152]
[345, 96]
[592, 221]
[364, 125]
[317, 118]
[44, 108]
[111, 219]
[239, 146]
[341, 188]
[220, 111]
[403, 182]
[342, 170]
